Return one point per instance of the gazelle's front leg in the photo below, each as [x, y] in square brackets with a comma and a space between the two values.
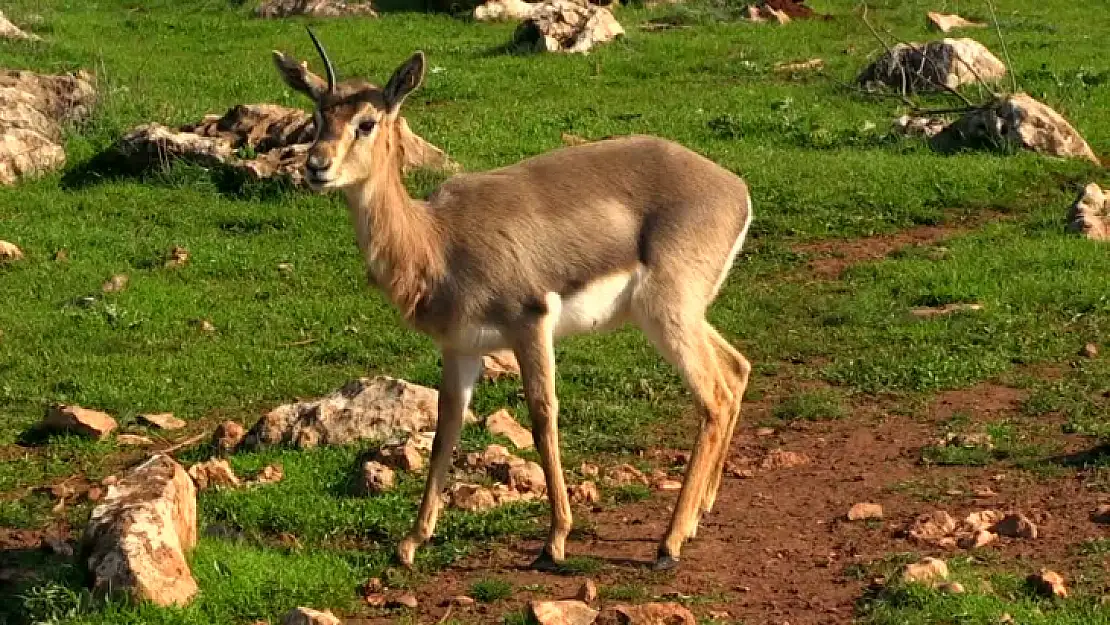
[460, 372]
[535, 351]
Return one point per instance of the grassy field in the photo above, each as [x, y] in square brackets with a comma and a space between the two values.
[821, 163]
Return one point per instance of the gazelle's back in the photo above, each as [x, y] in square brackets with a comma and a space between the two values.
[563, 219]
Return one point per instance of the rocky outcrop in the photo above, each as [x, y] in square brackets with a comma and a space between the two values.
[9, 30]
[162, 421]
[500, 364]
[926, 571]
[227, 437]
[78, 420]
[10, 251]
[495, 10]
[568, 612]
[517, 480]
[648, 614]
[1090, 214]
[945, 22]
[365, 409]
[308, 616]
[517, 10]
[138, 535]
[1016, 120]
[780, 11]
[213, 473]
[262, 140]
[33, 110]
[934, 65]
[565, 26]
[501, 423]
[927, 127]
[377, 478]
[315, 8]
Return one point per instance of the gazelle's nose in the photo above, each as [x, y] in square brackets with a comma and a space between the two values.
[318, 163]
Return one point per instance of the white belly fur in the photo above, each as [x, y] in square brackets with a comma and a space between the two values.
[603, 304]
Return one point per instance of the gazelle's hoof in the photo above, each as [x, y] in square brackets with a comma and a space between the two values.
[406, 552]
[545, 563]
[665, 562]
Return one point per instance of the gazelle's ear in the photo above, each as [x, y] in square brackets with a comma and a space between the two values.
[299, 77]
[407, 78]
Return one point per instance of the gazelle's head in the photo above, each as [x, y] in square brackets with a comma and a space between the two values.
[355, 120]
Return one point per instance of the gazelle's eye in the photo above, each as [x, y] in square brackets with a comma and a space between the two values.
[365, 127]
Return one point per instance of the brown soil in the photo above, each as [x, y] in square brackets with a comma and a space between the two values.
[831, 257]
[778, 548]
[985, 401]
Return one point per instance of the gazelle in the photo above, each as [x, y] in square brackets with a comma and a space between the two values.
[580, 239]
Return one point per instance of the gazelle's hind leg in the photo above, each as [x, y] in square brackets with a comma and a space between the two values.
[684, 339]
[737, 369]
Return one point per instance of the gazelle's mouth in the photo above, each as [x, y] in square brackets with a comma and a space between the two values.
[316, 180]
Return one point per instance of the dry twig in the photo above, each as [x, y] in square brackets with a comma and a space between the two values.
[185, 443]
[924, 59]
[1005, 48]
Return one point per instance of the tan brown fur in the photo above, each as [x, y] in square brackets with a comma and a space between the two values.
[580, 239]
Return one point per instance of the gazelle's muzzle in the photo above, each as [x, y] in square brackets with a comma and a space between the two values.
[316, 169]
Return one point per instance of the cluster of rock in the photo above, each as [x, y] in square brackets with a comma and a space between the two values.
[1017, 120]
[142, 529]
[315, 8]
[515, 479]
[978, 529]
[138, 536]
[34, 108]
[554, 25]
[365, 409]
[565, 26]
[1090, 214]
[505, 10]
[933, 572]
[263, 140]
[1012, 120]
[95, 424]
[913, 67]
[578, 611]
[780, 11]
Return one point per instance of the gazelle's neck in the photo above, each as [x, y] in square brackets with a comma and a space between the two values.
[398, 237]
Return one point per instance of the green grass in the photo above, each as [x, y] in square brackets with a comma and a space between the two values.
[633, 593]
[817, 170]
[812, 405]
[916, 604]
[990, 593]
[581, 565]
[491, 590]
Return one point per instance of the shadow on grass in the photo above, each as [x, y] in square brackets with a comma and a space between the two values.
[109, 166]
[35, 435]
[38, 586]
[1097, 456]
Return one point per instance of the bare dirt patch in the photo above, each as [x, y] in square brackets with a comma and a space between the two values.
[831, 257]
[778, 547]
[984, 400]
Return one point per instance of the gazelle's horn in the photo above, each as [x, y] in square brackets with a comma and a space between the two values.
[327, 62]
